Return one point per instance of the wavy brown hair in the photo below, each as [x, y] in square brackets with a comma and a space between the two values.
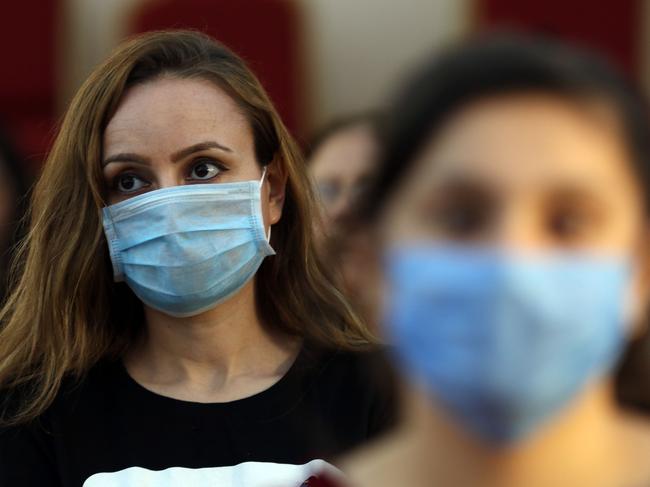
[65, 313]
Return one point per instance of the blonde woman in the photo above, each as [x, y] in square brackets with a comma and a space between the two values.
[171, 323]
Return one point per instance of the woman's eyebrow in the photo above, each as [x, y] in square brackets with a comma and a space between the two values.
[126, 157]
[210, 144]
[177, 156]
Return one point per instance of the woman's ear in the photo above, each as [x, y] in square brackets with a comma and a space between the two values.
[276, 183]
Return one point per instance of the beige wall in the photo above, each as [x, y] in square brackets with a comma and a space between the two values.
[354, 49]
[359, 49]
[92, 27]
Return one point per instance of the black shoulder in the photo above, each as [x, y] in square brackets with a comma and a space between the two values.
[371, 363]
[70, 392]
[26, 449]
[362, 379]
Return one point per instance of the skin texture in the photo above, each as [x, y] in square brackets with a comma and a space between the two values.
[228, 352]
[525, 173]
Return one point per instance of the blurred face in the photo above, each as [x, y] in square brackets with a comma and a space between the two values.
[171, 132]
[529, 176]
[528, 172]
[341, 167]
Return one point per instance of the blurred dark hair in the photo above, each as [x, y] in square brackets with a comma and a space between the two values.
[340, 124]
[501, 64]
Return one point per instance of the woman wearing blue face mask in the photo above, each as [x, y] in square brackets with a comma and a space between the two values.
[512, 217]
[171, 323]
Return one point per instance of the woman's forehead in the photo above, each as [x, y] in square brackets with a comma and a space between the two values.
[176, 112]
[529, 140]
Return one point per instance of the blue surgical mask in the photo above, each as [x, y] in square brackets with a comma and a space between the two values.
[504, 342]
[185, 249]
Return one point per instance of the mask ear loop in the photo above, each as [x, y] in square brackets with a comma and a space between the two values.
[263, 176]
[268, 234]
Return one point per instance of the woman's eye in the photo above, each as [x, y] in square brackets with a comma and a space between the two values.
[204, 170]
[329, 191]
[462, 222]
[460, 211]
[567, 225]
[130, 183]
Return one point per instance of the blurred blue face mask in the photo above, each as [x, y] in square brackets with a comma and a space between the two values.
[504, 342]
[185, 249]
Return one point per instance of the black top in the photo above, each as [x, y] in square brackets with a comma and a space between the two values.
[325, 404]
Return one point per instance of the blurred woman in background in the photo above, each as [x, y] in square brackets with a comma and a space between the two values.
[512, 217]
[341, 160]
[159, 334]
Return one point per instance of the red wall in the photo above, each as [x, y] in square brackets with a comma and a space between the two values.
[28, 88]
[613, 27]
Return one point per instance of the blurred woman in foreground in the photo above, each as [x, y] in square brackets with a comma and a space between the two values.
[511, 214]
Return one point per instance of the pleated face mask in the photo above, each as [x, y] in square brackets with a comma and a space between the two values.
[185, 249]
[504, 342]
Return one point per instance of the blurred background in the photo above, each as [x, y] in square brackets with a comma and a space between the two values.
[319, 59]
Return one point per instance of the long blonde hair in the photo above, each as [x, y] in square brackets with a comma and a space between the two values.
[65, 313]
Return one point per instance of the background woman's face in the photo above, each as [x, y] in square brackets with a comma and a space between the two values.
[341, 167]
[170, 132]
[523, 172]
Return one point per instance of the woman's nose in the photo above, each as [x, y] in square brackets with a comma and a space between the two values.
[515, 227]
[169, 176]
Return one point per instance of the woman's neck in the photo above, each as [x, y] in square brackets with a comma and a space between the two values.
[220, 355]
[584, 444]
[590, 443]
